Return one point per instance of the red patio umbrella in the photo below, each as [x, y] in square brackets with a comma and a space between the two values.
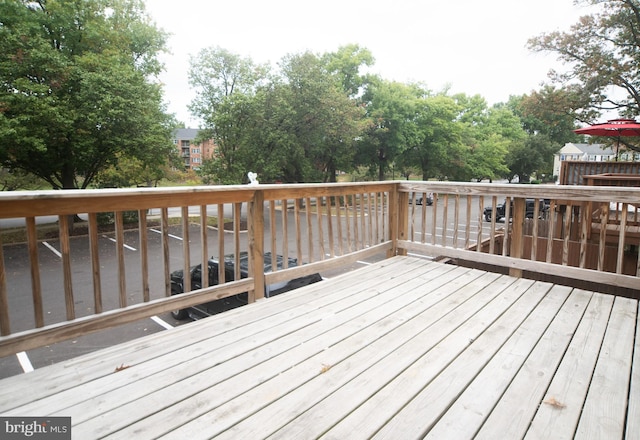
[613, 128]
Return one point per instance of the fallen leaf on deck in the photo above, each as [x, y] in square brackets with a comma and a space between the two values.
[122, 367]
[553, 402]
[325, 368]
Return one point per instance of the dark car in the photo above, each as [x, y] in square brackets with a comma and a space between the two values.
[530, 206]
[419, 199]
[217, 306]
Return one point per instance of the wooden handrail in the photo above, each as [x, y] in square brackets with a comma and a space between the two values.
[325, 226]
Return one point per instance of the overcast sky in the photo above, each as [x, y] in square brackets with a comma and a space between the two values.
[475, 47]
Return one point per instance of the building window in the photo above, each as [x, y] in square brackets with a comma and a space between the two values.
[185, 143]
[196, 160]
[195, 150]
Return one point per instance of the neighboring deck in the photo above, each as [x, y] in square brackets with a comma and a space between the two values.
[399, 349]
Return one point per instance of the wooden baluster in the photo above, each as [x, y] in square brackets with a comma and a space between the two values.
[164, 220]
[221, 247]
[186, 253]
[347, 209]
[480, 224]
[566, 231]
[370, 209]
[445, 219]
[5, 327]
[602, 242]
[551, 223]
[339, 223]
[434, 218]
[534, 233]
[272, 226]
[621, 238]
[363, 228]
[122, 284]
[319, 215]
[330, 201]
[423, 227]
[412, 216]
[308, 215]
[36, 287]
[144, 253]
[467, 232]
[204, 243]
[508, 225]
[585, 214]
[456, 219]
[285, 232]
[356, 232]
[95, 262]
[296, 211]
[237, 216]
[65, 250]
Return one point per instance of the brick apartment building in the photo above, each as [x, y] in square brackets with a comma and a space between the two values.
[192, 153]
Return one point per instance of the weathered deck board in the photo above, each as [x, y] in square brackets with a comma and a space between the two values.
[559, 415]
[404, 348]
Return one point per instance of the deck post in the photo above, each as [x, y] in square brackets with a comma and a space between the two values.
[399, 218]
[517, 233]
[255, 225]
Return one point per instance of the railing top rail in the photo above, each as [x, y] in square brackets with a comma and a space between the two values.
[559, 192]
[52, 202]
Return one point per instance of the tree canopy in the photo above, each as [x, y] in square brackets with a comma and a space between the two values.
[602, 52]
[77, 89]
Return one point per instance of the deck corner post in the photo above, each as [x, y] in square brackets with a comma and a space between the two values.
[398, 219]
[517, 233]
[255, 222]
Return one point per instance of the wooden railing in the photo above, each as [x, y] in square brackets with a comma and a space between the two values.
[569, 233]
[572, 232]
[324, 226]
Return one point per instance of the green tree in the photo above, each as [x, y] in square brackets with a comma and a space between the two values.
[77, 88]
[390, 109]
[434, 147]
[548, 117]
[216, 74]
[488, 134]
[602, 51]
[533, 156]
[226, 85]
[346, 63]
[17, 179]
[327, 121]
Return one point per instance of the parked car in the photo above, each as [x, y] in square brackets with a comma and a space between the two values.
[530, 206]
[217, 306]
[419, 199]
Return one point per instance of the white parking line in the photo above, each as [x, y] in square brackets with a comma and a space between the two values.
[125, 245]
[25, 363]
[170, 235]
[52, 249]
[161, 322]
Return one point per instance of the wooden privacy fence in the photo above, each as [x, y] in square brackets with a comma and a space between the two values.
[588, 233]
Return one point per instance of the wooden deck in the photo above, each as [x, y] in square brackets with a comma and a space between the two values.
[400, 349]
